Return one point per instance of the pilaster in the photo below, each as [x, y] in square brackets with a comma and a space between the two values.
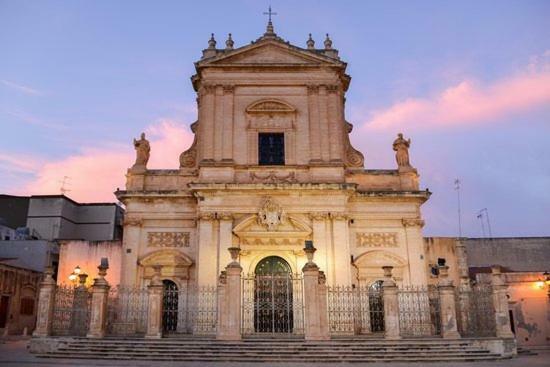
[98, 314]
[341, 253]
[315, 300]
[206, 122]
[324, 123]
[225, 237]
[130, 250]
[207, 257]
[314, 124]
[228, 117]
[229, 300]
[335, 124]
[415, 250]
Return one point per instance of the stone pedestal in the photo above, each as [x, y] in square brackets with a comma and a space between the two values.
[229, 303]
[391, 306]
[154, 313]
[502, 315]
[46, 301]
[98, 314]
[315, 300]
[449, 329]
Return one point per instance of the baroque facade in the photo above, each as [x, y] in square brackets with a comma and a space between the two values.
[271, 167]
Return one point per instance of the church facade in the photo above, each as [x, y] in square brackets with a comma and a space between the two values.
[272, 166]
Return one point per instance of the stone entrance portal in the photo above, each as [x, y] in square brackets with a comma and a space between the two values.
[272, 299]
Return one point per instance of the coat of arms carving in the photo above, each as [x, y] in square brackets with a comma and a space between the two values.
[271, 215]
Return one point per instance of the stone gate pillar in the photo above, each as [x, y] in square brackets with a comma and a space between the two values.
[100, 295]
[46, 302]
[447, 305]
[315, 299]
[500, 301]
[391, 305]
[80, 307]
[229, 299]
[154, 313]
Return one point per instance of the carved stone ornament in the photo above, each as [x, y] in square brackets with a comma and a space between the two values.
[188, 158]
[353, 157]
[270, 106]
[273, 177]
[271, 215]
[129, 221]
[414, 222]
[378, 239]
[168, 239]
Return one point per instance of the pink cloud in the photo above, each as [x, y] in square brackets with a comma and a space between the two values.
[471, 102]
[95, 173]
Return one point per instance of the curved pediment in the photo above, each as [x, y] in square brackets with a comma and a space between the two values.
[172, 258]
[269, 106]
[377, 259]
[291, 231]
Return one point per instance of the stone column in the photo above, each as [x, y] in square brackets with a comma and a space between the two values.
[502, 315]
[447, 304]
[207, 257]
[225, 238]
[391, 305]
[315, 299]
[100, 295]
[130, 249]
[154, 312]
[229, 300]
[324, 123]
[80, 307]
[227, 141]
[46, 302]
[206, 124]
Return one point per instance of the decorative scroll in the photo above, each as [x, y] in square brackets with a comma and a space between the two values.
[378, 239]
[273, 177]
[168, 239]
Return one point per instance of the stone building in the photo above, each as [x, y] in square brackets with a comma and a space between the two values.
[272, 166]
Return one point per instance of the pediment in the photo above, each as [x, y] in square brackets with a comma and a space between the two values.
[170, 258]
[271, 52]
[291, 231]
[377, 259]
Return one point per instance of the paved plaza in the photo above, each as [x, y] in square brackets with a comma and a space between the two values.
[15, 353]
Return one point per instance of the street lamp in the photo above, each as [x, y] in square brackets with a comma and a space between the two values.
[73, 277]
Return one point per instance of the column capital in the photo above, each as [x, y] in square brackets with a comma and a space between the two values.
[228, 88]
[133, 221]
[207, 89]
[412, 222]
[225, 216]
[318, 216]
[339, 216]
[312, 89]
[207, 216]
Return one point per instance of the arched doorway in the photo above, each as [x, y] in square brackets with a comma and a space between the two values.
[170, 302]
[273, 296]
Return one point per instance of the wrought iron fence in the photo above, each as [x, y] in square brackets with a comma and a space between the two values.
[127, 311]
[419, 311]
[272, 304]
[475, 311]
[190, 310]
[71, 312]
[355, 310]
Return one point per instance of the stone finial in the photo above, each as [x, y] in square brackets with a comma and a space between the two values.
[328, 43]
[212, 42]
[309, 249]
[82, 279]
[310, 43]
[234, 252]
[269, 29]
[229, 43]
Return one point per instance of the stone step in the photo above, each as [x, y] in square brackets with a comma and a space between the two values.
[349, 359]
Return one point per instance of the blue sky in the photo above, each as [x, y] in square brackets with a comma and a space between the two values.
[466, 80]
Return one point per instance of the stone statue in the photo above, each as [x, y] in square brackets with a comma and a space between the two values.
[143, 150]
[401, 147]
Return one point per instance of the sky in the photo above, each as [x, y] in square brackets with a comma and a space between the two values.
[467, 81]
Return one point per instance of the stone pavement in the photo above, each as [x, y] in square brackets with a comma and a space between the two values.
[14, 353]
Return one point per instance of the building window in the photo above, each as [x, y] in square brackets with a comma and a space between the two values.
[271, 149]
[27, 306]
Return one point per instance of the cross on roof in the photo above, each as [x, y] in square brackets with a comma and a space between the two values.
[270, 13]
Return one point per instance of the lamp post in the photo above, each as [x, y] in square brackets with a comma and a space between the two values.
[74, 276]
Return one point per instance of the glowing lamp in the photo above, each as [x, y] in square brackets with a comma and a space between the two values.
[77, 270]
[72, 277]
[539, 284]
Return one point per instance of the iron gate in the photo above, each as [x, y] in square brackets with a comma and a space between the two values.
[272, 303]
[71, 312]
[189, 309]
[127, 310]
[419, 311]
[355, 310]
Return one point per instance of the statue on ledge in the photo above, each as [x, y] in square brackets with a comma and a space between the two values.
[143, 150]
[401, 147]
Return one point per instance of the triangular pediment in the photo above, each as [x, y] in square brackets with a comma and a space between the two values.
[291, 231]
[271, 53]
